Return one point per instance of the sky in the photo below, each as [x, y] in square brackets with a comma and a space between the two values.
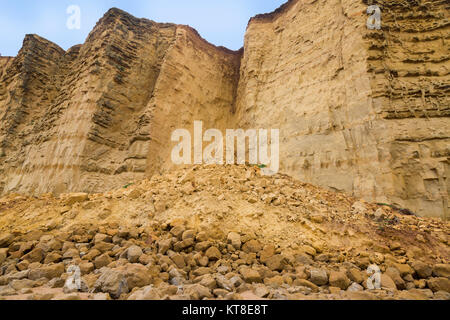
[221, 22]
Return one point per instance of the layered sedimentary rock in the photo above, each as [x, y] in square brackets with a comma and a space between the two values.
[360, 111]
[4, 61]
[409, 66]
[101, 114]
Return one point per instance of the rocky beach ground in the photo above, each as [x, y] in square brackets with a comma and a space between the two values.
[217, 232]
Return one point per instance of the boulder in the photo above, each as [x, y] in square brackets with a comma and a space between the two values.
[318, 277]
[72, 198]
[179, 261]
[71, 254]
[208, 281]
[387, 282]
[404, 269]
[6, 239]
[306, 283]
[177, 232]
[250, 276]
[52, 257]
[47, 271]
[355, 275]
[394, 274]
[102, 261]
[164, 245]
[22, 284]
[234, 239]
[355, 287]
[252, 246]
[339, 279]
[439, 284]
[276, 262]
[147, 293]
[267, 252]
[213, 254]
[86, 267]
[113, 282]
[188, 234]
[35, 255]
[92, 254]
[136, 275]
[197, 292]
[422, 269]
[441, 270]
[134, 253]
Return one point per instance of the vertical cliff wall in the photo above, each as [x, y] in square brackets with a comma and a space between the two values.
[100, 115]
[198, 82]
[304, 71]
[409, 67]
[359, 111]
[362, 111]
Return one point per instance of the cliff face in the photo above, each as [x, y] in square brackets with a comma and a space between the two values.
[409, 67]
[306, 67]
[4, 62]
[361, 111]
[101, 114]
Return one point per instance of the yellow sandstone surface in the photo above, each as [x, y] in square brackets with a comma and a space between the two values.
[359, 111]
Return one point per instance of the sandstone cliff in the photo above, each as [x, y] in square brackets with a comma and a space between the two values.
[100, 115]
[360, 111]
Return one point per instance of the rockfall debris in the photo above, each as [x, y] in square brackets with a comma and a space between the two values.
[218, 232]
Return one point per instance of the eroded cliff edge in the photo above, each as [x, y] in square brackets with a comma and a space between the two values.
[361, 111]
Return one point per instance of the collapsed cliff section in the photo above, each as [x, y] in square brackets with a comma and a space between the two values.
[99, 115]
